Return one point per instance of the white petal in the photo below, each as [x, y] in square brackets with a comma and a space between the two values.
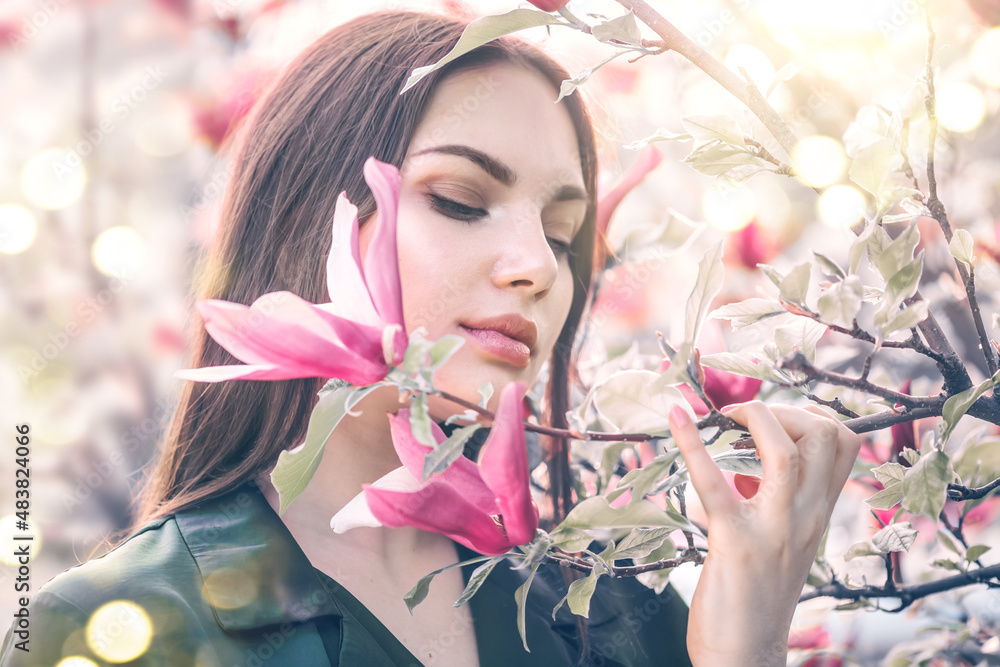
[356, 514]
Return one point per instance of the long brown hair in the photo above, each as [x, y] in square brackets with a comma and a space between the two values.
[304, 143]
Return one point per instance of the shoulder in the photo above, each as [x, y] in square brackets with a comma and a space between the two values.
[147, 585]
[154, 562]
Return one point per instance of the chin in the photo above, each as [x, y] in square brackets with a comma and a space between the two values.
[465, 384]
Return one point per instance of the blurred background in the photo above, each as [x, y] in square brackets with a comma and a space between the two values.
[115, 120]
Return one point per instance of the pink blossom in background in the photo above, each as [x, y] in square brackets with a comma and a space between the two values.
[215, 118]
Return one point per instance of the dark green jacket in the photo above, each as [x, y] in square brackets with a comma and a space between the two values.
[225, 584]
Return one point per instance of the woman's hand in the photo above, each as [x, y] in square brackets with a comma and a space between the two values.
[760, 549]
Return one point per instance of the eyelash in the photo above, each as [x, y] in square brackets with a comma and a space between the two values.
[457, 211]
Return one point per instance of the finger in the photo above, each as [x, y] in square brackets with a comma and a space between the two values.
[707, 479]
[778, 453]
[818, 447]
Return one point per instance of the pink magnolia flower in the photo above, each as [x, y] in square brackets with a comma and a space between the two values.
[649, 159]
[357, 337]
[751, 246]
[721, 387]
[549, 5]
[485, 506]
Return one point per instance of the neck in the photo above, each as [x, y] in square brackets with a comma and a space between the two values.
[358, 452]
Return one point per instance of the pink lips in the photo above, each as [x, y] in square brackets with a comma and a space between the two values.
[510, 338]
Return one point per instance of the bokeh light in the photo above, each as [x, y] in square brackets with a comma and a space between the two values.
[819, 160]
[17, 229]
[960, 107]
[53, 179]
[753, 61]
[840, 206]
[118, 252]
[231, 589]
[76, 661]
[119, 631]
[9, 530]
[728, 206]
[985, 57]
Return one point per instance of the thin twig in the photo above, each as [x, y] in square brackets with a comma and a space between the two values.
[689, 555]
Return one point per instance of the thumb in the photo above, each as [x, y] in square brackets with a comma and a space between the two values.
[707, 479]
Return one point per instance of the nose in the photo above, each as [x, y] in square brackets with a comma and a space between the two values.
[524, 259]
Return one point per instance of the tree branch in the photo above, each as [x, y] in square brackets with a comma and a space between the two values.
[748, 94]
[906, 595]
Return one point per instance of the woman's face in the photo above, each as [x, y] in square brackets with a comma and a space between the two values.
[492, 195]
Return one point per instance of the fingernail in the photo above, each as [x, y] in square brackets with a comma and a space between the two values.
[679, 417]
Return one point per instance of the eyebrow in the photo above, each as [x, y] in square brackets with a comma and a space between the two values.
[500, 171]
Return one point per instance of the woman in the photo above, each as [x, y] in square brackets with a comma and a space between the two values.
[495, 241]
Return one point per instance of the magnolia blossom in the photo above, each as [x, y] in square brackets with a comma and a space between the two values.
[486, 506]
[649, 159]
[549, 5]
[357, 337]
[721, 387]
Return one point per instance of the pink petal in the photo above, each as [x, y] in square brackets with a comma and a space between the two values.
[503, 464]
[439, 508]
[463, 474]
[649, 158]
[283, 330]
[344, 280]
[235, 372]
[381, 260]
[357, 514]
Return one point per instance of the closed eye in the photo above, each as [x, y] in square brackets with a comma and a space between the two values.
[455, 210]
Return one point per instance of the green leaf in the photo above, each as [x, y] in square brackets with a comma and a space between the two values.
[858, 550]
[771, 274]
[925, 485]
[860, 603]
[579, 593]
[795, 284]
[610, 456]
[595, 512]
[959, 404]
[734, 363]
[899, 252]
[443, 348]
[840, 303]
[476, 580]
[661, 134]
[887, 498]
[889, 473]
[945, 539]
[296, 467]
[829, 265]
[873, 166]
[911, 455]
[975, 552]
[568, 86]
[624, 29]
[642, 480]
[485, 393]
[639, 543]
[900, 287]
[449, 451]
[483, 30]
[420, 421]
[417, 594]
[748, 312]
[946, 565]
[894, 537]
[570, 540]
[520, 596]
[962, 247]
[711, 273]
[802, 335]
[743, 461]
[718, 127]
[627, 401]
[907, 318]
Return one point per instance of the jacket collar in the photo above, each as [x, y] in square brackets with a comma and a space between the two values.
[253, 572]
